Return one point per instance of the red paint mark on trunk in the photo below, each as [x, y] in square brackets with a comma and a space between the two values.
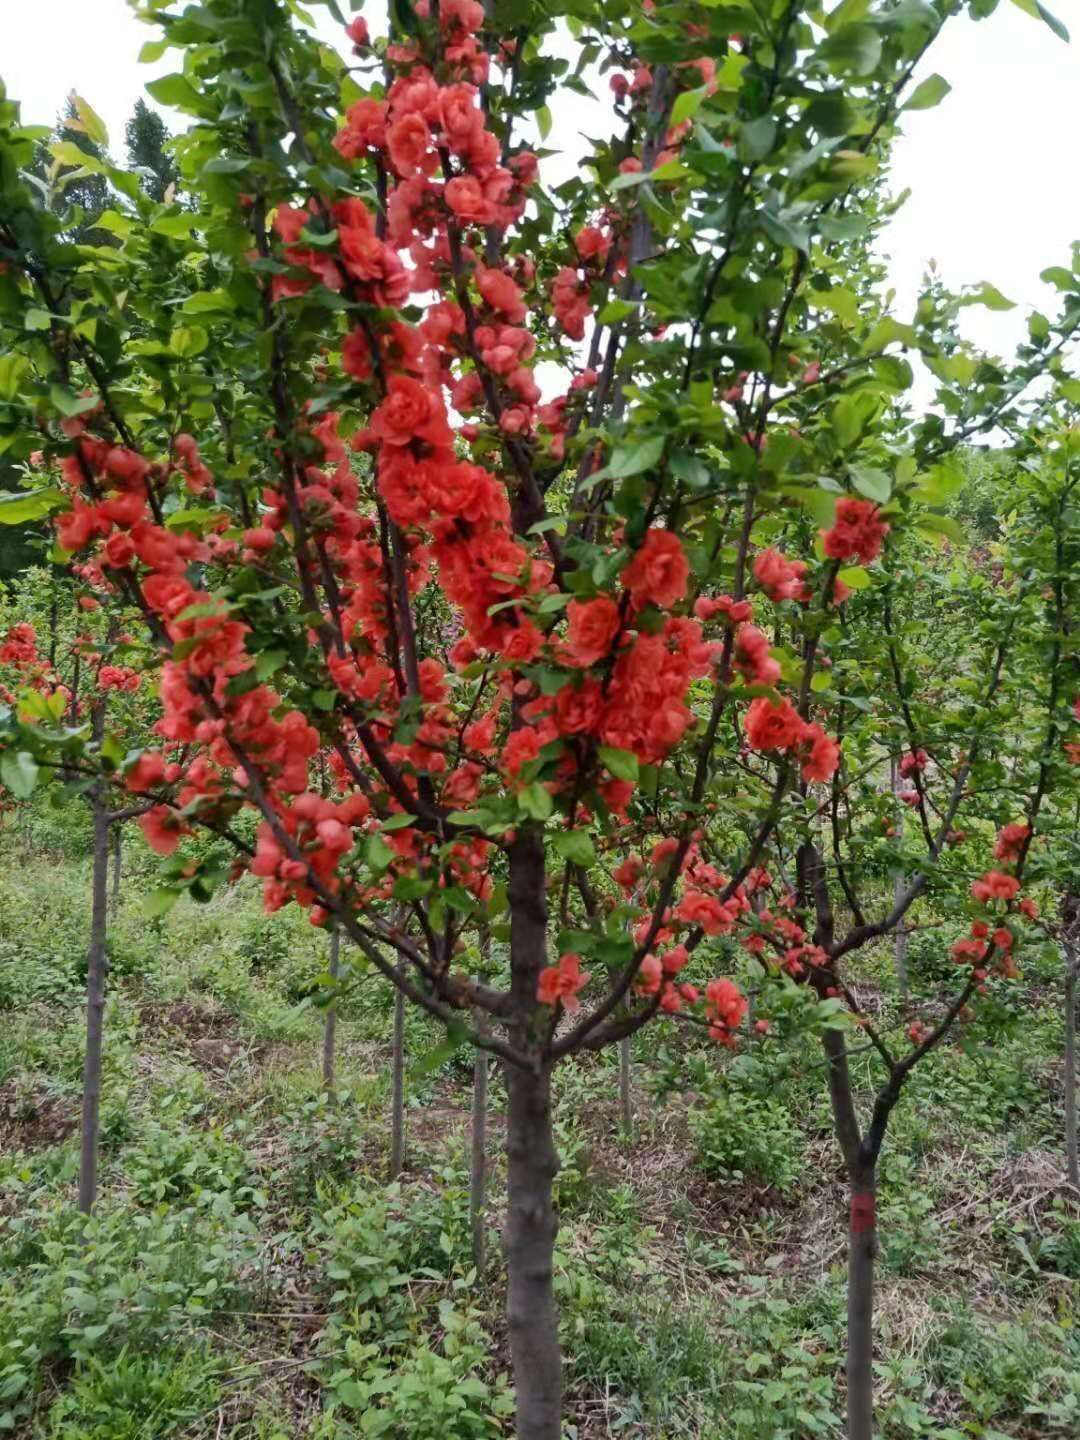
[862, 1212]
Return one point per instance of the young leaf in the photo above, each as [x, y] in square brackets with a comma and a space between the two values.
[930, 93]
[623, 764]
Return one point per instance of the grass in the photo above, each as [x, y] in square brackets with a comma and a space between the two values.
[250, 1272]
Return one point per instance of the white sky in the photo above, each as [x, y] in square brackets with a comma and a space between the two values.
[994, 191]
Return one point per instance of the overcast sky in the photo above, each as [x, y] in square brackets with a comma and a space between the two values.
[994, 192]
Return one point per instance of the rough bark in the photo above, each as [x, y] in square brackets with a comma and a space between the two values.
[531, 1224]
[862, 1251]
[626, 1097]
[1072, 1161]
[330, 1022]
[860, 1161]
[397, 1097]
[95, 1009]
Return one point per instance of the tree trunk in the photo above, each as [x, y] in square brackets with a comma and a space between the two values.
[117, 842]
[95, 1010]
[531, 1227]
[862, 1249]
[478, 1171]
[397, 1097]
[330, 1022]
[900, 939]
[531, 1224]
[1072, 1164]
[626, 1098]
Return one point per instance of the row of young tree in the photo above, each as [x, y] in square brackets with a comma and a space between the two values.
[571, 715]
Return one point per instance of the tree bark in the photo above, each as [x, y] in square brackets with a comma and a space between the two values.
[531, 1227]
[330, 1021]
[95, 1009]
[117, 844]
[900, 939]
[397, 1097]
[1072, 1162]
[626, 1097]
[862, 1251]
[531, 1223]
[478, 1169]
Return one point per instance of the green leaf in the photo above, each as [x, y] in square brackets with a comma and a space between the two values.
[1040, 12]
[29, 505]
[68, 153]
[623, 764]
[543, 121]
[173, 90]
[930, 93]
[687, 104]
[873, 483]
[68, 403]
[38, 319]
[438, 1055]
[616, 310]
[855, 578]
[188, 340]
[92, 121]
[575, 846]
[378, 854]
[19, 772]
[535, 800]
[795, 237]
[176, 227]
[161, 901]
[942, 525]
[398, 822]
[990, 296]
[757, 137]
[1058, 276]
[854, 48]
[636, 458]
[152, 50]
[13, 368]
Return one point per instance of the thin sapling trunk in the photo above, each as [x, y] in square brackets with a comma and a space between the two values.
[397, 1095]
[330, 1022]
[95, 1008]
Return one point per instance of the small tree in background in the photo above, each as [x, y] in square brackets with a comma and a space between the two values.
[146, 135]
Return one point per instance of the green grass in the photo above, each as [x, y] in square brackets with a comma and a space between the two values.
[250, 1272]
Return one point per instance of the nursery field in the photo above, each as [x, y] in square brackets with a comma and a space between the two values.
[250, 1271]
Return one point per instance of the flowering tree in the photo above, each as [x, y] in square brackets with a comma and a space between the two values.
[305, 448]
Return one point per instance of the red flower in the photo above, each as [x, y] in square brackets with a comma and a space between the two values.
[658, 573]
[409, 143]
[501, 293]
[823, 757]
[522, 645]
[578, 708]
[562, 982]
[465, 197]
[410, 412]
[857, 533]
[163, 829]
[773, 727]
[592, 628]
[780, 578]
[995, 885]
[1011, 840]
